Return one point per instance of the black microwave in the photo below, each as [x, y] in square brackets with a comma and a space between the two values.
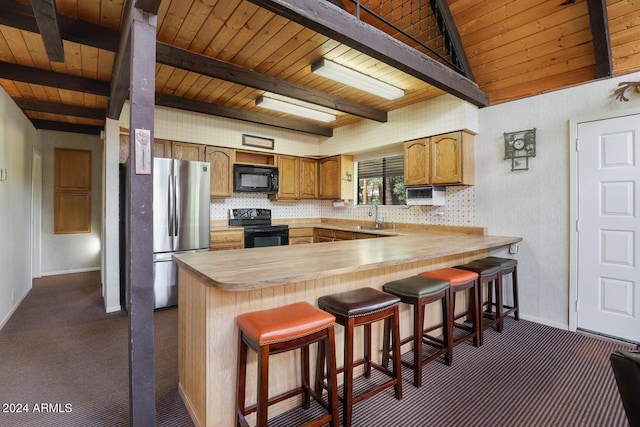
[255, 179]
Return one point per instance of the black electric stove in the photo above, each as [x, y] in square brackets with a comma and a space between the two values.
[258, 230]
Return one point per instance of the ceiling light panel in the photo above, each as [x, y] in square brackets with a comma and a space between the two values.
[297, 110]
[355, 79]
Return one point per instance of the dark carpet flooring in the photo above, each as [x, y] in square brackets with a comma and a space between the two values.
[67, 361]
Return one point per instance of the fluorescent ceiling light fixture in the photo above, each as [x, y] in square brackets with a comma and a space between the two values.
[353, 78]
[296, 110]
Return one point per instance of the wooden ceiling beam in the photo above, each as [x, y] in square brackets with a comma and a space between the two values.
[63, 109]
[46, 16]
[20, 16]
[52, 79]
[333, 22]
[66, 127]
[120, 75]
[600, 35]
[183, 59]
[150, 6]
[238, 114]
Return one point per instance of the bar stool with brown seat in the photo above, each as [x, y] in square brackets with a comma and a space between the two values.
[291, 327]
[488, 275]
[507, 266]
[362, 307]
[461, 280]
[419, 291]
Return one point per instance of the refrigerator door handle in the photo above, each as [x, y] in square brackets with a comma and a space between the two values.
[170, 204]
[176, 201]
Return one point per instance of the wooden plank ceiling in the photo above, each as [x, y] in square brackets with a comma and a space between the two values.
[515, 49]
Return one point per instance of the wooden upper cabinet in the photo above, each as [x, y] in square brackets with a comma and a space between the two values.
[446, 159]
[336, 177]
[452, 159]
[288, 177]
[162, 148]
[187, 151]
[308, 178]
[221, 161]
[416, 162]
[72, 191]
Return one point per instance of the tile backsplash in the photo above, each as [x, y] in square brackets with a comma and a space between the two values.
[459, 209]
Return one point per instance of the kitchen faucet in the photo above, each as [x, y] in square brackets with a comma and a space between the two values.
[377, 221]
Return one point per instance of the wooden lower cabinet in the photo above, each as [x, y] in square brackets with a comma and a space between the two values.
[324, 235]
[226, 239]
[298, 236]
[343, 235]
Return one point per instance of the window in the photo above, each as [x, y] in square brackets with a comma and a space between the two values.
[381, 181]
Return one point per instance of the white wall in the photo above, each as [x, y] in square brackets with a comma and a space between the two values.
[70, 253]
[535, 204]
[17, 139]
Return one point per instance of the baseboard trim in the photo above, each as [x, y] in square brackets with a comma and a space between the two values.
[79, 270]
[564, 327]
[13, 309]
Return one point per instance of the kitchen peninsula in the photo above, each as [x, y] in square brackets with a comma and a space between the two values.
[217, 286]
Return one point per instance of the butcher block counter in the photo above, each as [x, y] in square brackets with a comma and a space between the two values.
[214, 287]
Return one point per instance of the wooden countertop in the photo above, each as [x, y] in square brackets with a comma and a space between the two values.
[255, 268]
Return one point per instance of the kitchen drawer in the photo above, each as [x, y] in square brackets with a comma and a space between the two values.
[227, 236]
[300, 240]
[325, 233]
[300, 232]
[365, 235]
[343, 235]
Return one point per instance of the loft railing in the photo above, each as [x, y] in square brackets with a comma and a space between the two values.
[417, 23]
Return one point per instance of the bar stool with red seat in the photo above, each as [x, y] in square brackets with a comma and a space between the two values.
[420, 291]
[490, 276]
[362, 307]
[507, 266]
[291, 327]
[462, 280]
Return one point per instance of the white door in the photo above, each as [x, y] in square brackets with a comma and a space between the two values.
[36, 214]
[609, 227]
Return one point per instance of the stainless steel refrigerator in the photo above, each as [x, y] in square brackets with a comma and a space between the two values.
[181, 196]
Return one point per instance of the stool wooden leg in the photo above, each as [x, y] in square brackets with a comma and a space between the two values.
[499, 303]
[476, 313]
[347, 385]
[367, 350]
[304, 356]
[320, 368]
[516, 304]
[386, 343]
[418, 331]
[447, 327]
[241, 380]
[332, 385]
[263, 386]
[397, 364]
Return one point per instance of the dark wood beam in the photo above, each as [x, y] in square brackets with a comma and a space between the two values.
[121, 66]
[47, 18]
[331, 21]
[18, 15]
[63, 109]
[50, 78]
[234, 113]
[142, 399]
[66, 127]
[150, 6]
[600, 35]
[204, 65]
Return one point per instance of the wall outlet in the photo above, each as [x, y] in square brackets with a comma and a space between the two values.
[513, 248]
